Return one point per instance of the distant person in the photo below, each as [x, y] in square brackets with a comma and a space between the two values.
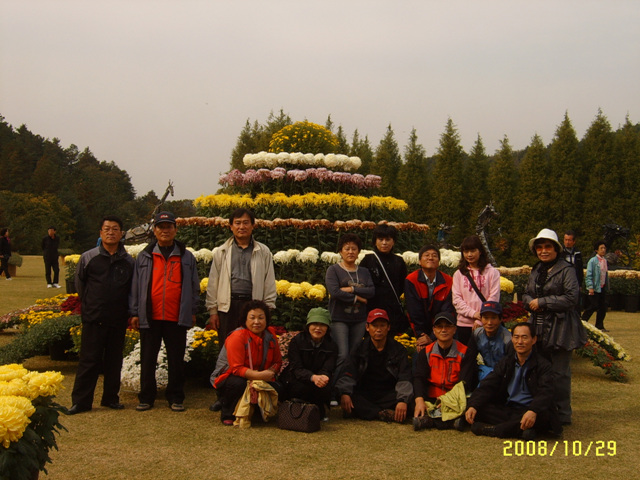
[597, 282]
[163, 304]
[427, 293]
[50, 245]
[5, 252]
[475, 282]
[574, 257]
[103, 280]
[388, 272]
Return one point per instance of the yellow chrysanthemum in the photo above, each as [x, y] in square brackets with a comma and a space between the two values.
[21, 403]
[295, 291]
[282, 287]
[13, 422]
[43, 384]
[315, 294]
[11, 371]
[204, 283]
[506, 285]
[17, 386]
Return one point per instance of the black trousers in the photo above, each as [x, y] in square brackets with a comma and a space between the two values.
[4, 266]
[307, 391]
[231, 320]
[175, 338]
[101, 352]
[51, 265]
[231, 390]
[506, 419]
[598, 304]
[367, 404]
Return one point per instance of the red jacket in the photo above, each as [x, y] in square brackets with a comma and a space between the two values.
[435, 375]
[423, 309]
[166, 287]
[245, 350]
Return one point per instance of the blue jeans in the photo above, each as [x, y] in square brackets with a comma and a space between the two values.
[346, 336]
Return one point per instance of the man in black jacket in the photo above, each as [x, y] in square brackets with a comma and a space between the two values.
[50, 245]
[103, 281]
[516, 400]
[376, 383]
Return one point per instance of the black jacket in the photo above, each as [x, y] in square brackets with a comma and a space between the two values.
[103, 282]
[306, 360]
[385, 297]
[50, 248]
[539, 378]
[397, 365]
[5, 247]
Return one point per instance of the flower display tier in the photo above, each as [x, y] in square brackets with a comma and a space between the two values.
[330, 206]
[294, 233]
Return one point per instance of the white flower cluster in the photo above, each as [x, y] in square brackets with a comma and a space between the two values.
[134, 250]
[308, 255]
[272, 160]
[602, 338]
[203, 255]
[130, 376]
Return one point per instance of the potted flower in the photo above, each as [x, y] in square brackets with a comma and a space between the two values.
[29, 420]
[70, 262]
[15, 261]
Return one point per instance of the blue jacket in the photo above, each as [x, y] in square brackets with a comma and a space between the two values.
[592, 280]
[139, 301]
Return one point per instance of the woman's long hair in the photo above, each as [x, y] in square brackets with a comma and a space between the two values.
[471, 243]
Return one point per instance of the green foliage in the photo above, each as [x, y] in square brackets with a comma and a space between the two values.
[415, 179]
[475, 182]
[37, 339]
[362, 148]
[15, 259]
[387, 163]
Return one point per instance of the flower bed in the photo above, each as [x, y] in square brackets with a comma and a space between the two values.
[297, 159]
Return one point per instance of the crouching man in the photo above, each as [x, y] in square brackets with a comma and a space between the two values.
[440, 366]
[516, 400]
[376, 383]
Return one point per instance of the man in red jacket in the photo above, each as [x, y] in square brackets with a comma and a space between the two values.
[427, 293]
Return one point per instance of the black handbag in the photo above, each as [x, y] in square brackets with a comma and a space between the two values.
[298, 416]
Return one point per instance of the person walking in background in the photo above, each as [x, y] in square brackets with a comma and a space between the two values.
[103, 281]
[163, 305]
[597, 283]
[5, 252]
[574, 257]
[388, 272]
[50, 245]
[475, 282]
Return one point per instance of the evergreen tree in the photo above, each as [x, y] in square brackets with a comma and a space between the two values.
[475, 183]
[603, 202]
[387, 163]
[447, 195]
[362, 149]
[627, 149]
[414, 179]
[502, 183]
[343, 144]
[566, 179]
[533, 202]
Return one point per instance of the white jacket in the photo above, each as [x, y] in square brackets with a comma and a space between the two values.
[263, 277]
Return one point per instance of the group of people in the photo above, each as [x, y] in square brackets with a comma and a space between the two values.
[347, 353]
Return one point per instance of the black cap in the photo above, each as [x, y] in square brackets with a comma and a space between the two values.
[165, 217]
[449, 317]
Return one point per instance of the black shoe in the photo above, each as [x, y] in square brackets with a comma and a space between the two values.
[113, 406]
[461, 424]
[485, 429]
[424, 421]
[77, 409]
[142, 407]
[529, 434]
[216, 406]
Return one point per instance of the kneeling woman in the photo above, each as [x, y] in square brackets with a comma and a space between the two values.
[252, 353]
[312, 361]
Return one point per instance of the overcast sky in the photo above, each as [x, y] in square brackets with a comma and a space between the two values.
[163, 88]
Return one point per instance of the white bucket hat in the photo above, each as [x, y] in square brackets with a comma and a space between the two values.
[546, 234]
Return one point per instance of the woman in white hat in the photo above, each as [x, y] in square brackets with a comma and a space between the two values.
[551, 297]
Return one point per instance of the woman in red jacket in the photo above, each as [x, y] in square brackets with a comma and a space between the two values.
[251, 353]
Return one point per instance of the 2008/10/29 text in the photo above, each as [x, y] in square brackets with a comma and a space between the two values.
[575, 448]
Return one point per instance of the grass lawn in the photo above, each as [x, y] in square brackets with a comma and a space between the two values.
[106, 444]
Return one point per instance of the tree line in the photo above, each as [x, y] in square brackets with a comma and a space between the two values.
[42, 184]
[568, 184]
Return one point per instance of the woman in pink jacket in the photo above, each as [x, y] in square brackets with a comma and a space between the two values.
[474, 271]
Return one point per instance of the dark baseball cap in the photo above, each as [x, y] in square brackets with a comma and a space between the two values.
[165, 217]
[491, 307]
[449, 317]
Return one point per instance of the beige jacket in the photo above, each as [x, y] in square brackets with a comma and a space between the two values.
[263, 277]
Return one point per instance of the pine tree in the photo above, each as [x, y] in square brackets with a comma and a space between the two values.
[343, 144]
[447, 195]
[533, 202]
[387, 163]
[566, 179]
[627, 149]
[475, 183]
[414, 179]
[362, 149]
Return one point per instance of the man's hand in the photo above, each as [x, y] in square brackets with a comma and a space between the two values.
[346, 403]
[320, 381]
[528, 420]
[470, 415]
[421, 407]
[401, 412]
[533, 305]
[135, 323]
[213, 323]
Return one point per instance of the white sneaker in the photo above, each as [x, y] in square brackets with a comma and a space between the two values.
[334, 403]
[56, 285]
[49, 285]
[9, 278]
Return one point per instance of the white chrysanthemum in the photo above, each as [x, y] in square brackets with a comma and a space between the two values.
[330, 257]
[309, 254]
[410, 258]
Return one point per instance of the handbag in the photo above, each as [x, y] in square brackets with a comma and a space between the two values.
[299, 416]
